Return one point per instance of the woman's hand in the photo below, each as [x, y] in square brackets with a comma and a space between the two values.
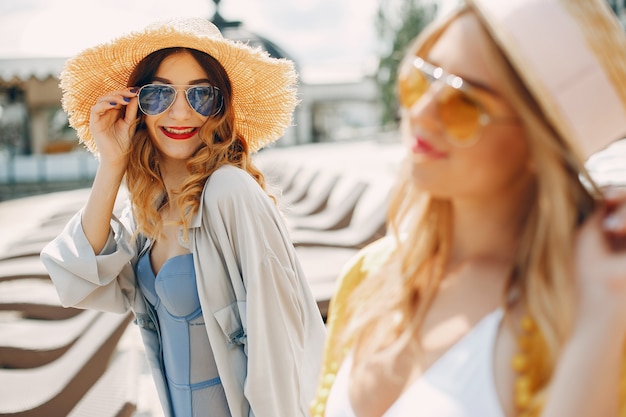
[600, 262]
[112, 127]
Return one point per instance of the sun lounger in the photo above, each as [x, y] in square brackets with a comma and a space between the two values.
[115, 394]
[280, 174]
[28, 343]
[322, 265]
[299, 188]
[54, 389]
[338, 211]
[23, 249]
[316, 197]
[33, 298]
[368, 226]
[23, 267]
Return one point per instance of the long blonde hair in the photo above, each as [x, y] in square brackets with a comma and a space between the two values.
[403, 289]
[221, 145]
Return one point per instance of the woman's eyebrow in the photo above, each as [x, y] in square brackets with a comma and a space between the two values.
[193, 82]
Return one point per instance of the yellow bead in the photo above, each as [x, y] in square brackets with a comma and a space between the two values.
[522, 383]
[525, 343]
[522, 399]
[323, 393]
[519, 362]
[329, 379]
[528, 324]
[319, 409]
[334, 366]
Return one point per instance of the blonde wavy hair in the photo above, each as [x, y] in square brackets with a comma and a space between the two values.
[222, 145]
[387, 310]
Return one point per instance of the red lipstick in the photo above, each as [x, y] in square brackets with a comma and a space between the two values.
[423, 147]
[179, 133]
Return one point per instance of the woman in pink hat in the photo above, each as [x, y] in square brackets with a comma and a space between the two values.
[200, 255]
[501, 290]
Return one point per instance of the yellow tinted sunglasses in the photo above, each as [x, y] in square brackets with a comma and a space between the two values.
[462, 116]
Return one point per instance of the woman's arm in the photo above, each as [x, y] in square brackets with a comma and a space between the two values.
[90, 262]
[587, 379]
[112, 135]
[85, 279]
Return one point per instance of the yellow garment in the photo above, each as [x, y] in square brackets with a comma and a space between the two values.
[368, 260]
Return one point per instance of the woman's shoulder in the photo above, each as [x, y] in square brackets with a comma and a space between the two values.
[367, 261]
[373, 256]
[229, 180]
[230, 175]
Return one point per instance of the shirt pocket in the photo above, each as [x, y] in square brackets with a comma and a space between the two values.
[229, 320]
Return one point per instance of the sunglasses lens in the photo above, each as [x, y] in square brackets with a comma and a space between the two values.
[155, 99]
[204, 99]
[460, 115]
[411, 86]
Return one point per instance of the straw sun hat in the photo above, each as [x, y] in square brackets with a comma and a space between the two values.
[571, 54]
[264, 88]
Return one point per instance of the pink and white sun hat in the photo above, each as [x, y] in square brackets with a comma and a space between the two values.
[571, 55]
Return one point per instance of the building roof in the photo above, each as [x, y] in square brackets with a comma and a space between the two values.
[23, 69]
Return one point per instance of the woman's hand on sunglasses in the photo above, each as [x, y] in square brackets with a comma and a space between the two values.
[112, 124]
[600, 262]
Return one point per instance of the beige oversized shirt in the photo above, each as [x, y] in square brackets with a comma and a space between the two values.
[261, 319]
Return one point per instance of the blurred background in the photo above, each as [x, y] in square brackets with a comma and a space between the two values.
[346, 52]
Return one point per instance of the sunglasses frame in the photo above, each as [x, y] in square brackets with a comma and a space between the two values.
[185, 88]
[435, 74]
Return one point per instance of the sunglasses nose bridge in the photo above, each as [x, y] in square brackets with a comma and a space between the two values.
[180, 107]
[425, 111]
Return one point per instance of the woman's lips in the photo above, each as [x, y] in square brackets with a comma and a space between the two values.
[179, 133]
[423, 147]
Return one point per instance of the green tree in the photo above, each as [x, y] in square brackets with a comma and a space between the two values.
[397, 24]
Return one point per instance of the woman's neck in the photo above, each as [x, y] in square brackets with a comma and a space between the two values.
[174, 173]
[489, 228]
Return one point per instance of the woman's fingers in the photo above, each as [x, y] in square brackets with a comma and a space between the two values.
[614, 221]
[113, 100]
[112, 122]
[615, 195]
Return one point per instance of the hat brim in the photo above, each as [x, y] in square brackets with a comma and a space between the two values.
[571, 55]
[264, 92]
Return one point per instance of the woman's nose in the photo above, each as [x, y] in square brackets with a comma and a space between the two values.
[424, 111]
[180, 109]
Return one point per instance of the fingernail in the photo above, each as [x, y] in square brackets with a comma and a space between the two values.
[126, 99]
[134, 89]
[613, 223]
[112, 103]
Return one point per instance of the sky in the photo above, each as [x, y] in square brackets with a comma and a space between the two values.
[327, 38]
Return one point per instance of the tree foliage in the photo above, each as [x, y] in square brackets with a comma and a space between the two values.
[397, 23]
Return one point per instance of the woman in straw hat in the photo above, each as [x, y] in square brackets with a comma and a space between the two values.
[501, 290]
[201, 254]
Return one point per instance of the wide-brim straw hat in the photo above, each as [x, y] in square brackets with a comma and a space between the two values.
[571, 55]
[264, 92]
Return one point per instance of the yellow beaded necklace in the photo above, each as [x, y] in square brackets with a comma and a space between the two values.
[522, 363]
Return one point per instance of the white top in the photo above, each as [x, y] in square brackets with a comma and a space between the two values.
[459, 384]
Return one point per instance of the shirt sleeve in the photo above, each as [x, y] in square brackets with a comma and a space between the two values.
[84, 279]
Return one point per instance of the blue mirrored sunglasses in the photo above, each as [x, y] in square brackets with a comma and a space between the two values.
[154, 99]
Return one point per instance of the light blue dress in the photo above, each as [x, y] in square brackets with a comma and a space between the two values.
[193, 381]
